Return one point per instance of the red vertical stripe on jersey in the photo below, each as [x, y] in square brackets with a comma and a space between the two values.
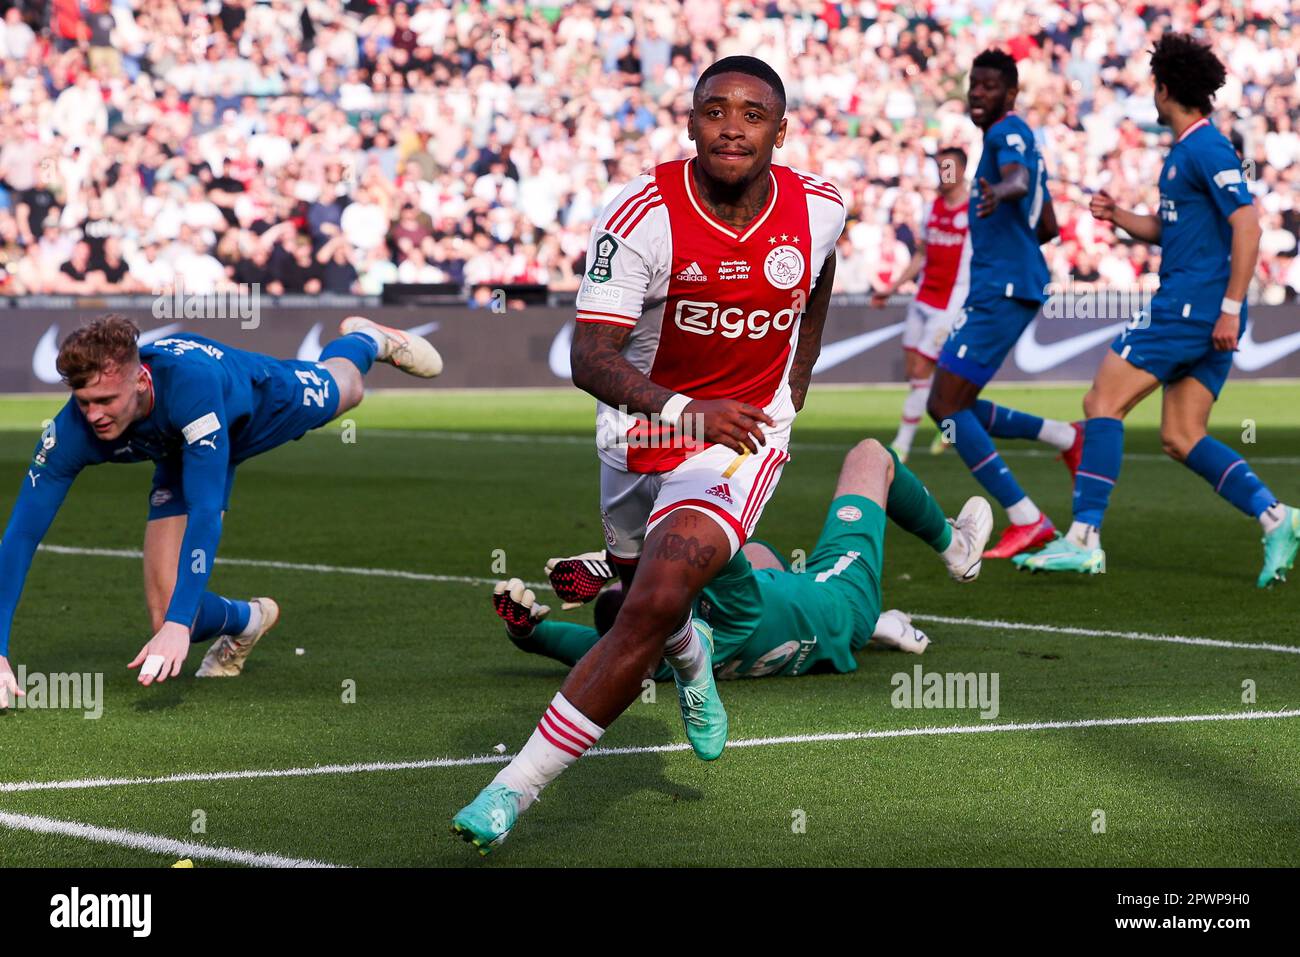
[609, 223]
[620, 227]
[627, 230]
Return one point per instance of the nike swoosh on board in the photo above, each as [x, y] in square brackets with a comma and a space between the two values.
[309, 349]
[1032, 356]
[558, 357]
[844, 350]
[1252, 355]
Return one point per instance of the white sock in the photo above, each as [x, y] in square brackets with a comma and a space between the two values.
[1272, 517]
[1057, 434]
[906, 432]
[913, 412]
[1024, 512]
[562, 736]
[254, 620]
[381, 341]
[1084, 535]
[686, 654]
[956, 549]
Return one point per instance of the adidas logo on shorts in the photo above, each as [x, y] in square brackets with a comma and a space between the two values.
[692, 273]
[722, 492]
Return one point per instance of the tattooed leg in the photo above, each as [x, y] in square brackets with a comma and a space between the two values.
[680, 557]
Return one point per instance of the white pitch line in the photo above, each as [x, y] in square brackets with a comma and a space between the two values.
[153, 843]
[186, 777]
[371, 766]
[472, 580]
[293, 566]
[1101, 633]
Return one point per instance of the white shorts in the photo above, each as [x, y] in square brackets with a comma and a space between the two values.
[730, 489]
[926, 327]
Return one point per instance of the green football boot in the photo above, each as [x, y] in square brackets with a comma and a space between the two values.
[486, 821]
[1280, 547]
[702, 710]
[1062, 555]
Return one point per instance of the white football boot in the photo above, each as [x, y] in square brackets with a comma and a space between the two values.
[970, 533]
[226, 656]
[412, 354]
[894, 629]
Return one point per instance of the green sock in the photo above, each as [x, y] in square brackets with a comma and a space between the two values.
[912, 508]
[562, 640]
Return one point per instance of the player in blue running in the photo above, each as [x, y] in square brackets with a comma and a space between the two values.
[197, 408]
[1008, 284]
[1208, 232]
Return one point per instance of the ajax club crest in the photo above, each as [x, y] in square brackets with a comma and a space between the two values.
[784, 267]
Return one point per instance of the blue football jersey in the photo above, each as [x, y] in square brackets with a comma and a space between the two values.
[1005, 254]
[213, 407]
[1201, 185]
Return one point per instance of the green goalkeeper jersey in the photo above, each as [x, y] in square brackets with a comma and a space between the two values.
[773, 621]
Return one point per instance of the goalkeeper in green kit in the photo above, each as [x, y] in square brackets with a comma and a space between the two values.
[758, 616]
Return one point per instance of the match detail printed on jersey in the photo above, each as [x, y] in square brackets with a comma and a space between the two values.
[714, 311]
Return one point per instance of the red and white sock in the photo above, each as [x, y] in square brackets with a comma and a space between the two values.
[686, 654]
[562, 736]
[913, 411]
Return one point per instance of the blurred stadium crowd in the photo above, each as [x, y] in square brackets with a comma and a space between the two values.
[340, 146]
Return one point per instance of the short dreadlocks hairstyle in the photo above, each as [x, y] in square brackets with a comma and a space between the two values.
[749, 65]
[1001, 61]
[1188, 69]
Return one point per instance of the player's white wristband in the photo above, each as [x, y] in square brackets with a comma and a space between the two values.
[671, 413]
[1231, 306]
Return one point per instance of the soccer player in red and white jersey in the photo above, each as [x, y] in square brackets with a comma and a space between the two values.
[942, 259]
[698, 323]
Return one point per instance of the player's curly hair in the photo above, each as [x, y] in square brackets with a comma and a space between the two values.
[1188, 69]
[109, 342]
[1001, 61]
[750, 66]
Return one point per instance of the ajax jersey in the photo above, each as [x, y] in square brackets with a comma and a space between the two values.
[946, 276]
[714, 312]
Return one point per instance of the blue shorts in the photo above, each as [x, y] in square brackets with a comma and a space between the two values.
[1172, 346]
[983, 333]
[293, 399]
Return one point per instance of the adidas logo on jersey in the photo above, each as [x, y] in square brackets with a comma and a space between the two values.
[722, 492]
[692, 273]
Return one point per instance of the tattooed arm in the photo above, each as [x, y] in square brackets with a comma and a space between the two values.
[809, 346]
[600, 369]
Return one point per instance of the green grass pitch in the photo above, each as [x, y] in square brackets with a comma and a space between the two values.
[447, 484]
